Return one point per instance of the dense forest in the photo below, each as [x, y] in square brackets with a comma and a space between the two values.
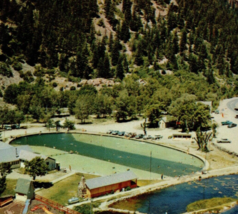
[126, 40]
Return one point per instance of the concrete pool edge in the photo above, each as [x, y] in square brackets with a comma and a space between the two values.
[205, 162]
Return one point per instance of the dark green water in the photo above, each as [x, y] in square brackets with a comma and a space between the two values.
[129, 153]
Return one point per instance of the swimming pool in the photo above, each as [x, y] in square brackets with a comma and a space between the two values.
[133, 154]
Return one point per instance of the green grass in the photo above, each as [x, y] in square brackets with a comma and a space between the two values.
[62, 191]
[11, 184]
[208, 203]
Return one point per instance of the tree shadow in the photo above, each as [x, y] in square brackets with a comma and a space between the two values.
[85, 123]
[45, 185]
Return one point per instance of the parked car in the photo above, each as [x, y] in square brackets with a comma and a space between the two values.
[139, 136]
[7, 127]
[226, 122]
[147, 137]
[73, 200]
[115, 132]
[216, 111]
[15, 126]
[224, 140]
[232, 125]
[236, 116]
[121, 133]
[158, 137]
[133, 134]
[127, 134]
[109, 132]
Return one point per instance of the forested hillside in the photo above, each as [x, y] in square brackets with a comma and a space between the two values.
[195, 41]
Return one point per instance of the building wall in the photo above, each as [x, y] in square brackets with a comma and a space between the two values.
[50, 163]
[31, 193]
[108, 189]
[21, 197]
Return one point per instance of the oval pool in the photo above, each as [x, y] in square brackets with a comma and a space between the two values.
[135, 154]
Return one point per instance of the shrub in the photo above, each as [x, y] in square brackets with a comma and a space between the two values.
[72, 88]
[55, 84]
[101, 23]
[128, 188]
[17, 66]
[28, 77]
[5, 70]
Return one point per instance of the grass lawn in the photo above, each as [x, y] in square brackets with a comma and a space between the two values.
[11, 184]
[209, 203]
[62, 191]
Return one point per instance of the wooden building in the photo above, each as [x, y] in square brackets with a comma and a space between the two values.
[6, 200]
[110, 184]
[24, 189]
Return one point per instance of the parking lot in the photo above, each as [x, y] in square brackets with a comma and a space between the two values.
[227, 112]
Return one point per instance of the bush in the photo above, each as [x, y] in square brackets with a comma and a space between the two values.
[55, 84]
[84, 209]
[17, 66]
[128, 188]
[72, 88]
[28, 77]
[5, 70]
[101, 23]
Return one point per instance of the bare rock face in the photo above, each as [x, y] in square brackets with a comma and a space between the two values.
[82, 188]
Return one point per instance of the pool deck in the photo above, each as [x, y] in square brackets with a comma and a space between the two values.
[87, 163]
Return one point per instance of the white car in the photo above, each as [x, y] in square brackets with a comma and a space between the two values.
[223, 140]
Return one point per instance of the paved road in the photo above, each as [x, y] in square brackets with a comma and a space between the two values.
[227, 112]
[233, 104]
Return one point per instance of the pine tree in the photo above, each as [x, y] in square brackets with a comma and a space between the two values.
[119, 69]
[107, 70]
[138, 55]
[183, 41]
[125, 33]
[100, 67]
[115, 51]
[125, 64]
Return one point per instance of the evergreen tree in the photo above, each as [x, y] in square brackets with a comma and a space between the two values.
[119, 69]
[125, 33]
[115, 51]
[183, 41]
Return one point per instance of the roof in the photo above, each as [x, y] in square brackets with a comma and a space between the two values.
[109, 180]
[4, 145]
[8, 154]
[23, 186]
[28, 156]
[24, 147]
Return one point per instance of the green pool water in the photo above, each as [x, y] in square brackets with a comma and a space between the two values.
[114, 153]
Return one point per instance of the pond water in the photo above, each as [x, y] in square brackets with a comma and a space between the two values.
[174, 200]
[135, 154]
